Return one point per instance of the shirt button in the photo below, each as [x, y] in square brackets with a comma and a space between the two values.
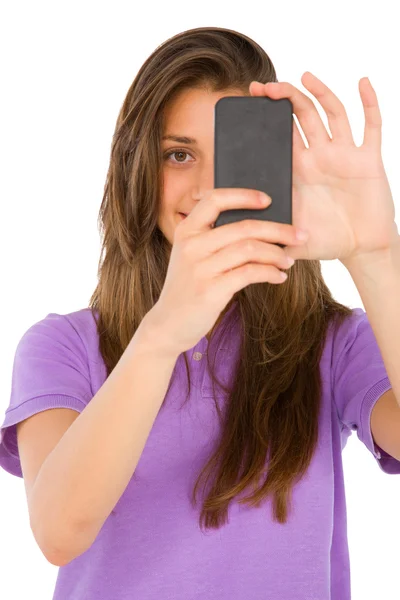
[197, 356]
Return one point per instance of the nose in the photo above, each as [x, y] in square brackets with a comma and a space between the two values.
[205, 184]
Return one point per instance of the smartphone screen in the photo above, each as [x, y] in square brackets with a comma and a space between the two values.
[253, 145]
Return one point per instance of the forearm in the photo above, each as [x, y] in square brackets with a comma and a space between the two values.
[378, 283]
[83, 478]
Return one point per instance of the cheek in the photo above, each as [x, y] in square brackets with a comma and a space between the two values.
[168, 186]
[175, 188]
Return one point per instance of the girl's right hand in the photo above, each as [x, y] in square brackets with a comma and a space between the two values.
[208, 266]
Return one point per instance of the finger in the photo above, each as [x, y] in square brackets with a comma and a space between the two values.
[215, 239]
[217, 200]
[298, 142]
[304, 109]
[237, 254]
[372, 113]
[338, 120]
[239, 278]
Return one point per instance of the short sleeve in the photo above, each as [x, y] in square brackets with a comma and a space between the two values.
[50, 370]
[359, 380]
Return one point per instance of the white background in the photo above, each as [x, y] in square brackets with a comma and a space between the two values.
[65, 70]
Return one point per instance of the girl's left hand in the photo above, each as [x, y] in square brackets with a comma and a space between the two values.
[341, 194]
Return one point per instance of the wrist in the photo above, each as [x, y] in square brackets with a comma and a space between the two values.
[152, 338]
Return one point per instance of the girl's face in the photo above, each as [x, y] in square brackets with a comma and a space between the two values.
[189, 169]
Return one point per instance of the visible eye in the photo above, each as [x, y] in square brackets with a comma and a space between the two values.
[178, 151]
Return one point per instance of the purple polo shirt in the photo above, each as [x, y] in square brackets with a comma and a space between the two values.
[151, 546]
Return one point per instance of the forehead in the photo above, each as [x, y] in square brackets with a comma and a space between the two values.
[192, 107]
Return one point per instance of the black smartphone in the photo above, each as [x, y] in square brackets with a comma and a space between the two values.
[253, 145]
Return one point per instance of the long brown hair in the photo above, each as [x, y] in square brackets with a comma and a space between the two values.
[274, 401]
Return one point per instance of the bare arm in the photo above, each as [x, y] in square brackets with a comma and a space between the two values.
[82, 479]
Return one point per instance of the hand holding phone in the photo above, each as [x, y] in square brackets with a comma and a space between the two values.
[208, 266]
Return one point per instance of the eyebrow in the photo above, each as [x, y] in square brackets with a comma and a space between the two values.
[180, 139]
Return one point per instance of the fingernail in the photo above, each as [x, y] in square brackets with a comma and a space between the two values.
[264, 199]
[301, 234]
